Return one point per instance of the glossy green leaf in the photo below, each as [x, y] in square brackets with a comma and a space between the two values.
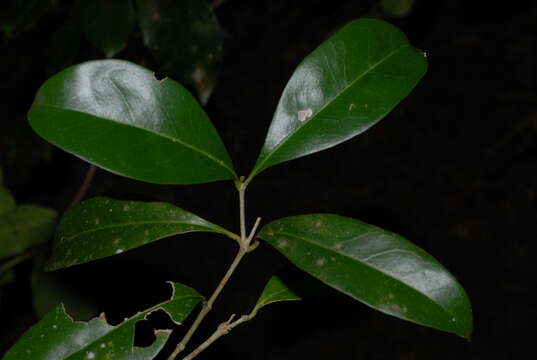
[102, 227]
[274, 291]
[341, 89]
[7, 202]
[23, 227]
[108, 24]
[58, 337]
[376, 267]
[185, 39]
[118, 116]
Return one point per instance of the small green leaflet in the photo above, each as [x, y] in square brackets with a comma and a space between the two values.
[274, 291]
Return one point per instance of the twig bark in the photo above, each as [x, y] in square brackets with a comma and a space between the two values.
[85, 184]
[245, 247]
[223, 329]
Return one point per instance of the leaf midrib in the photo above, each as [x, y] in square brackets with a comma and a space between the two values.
[128, 224]
[167, 137]
[259, 168]
[270, 299]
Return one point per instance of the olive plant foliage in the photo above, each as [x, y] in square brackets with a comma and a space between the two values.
[118, 116]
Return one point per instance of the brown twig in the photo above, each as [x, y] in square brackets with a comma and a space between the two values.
[85, 185]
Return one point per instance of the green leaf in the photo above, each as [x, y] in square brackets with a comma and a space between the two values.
[7, 202]
[108, 24]
[376, 267]
[102, 227]
[185, 39]
[345, 86]
[23, 227]
[58, 337]
[274, 291]
[117, 115]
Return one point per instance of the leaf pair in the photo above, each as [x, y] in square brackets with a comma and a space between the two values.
[118, 116]
[376, 267]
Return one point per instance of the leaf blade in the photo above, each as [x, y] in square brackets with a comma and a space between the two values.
[25, 226]
[379, 268]
[342, 88]
[102, 227]
[118, 116]
[58, 337]
[274, 291]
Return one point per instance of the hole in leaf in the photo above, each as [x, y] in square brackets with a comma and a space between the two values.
[143, 334]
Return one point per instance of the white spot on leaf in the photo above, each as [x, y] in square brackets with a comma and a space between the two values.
[90, 355]
[304, 115]
[351, 106]
[320, 261]
[119, 251]
[393, 308]
[126, 207]
[282, 243]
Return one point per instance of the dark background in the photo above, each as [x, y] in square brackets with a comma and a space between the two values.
[453, 168]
